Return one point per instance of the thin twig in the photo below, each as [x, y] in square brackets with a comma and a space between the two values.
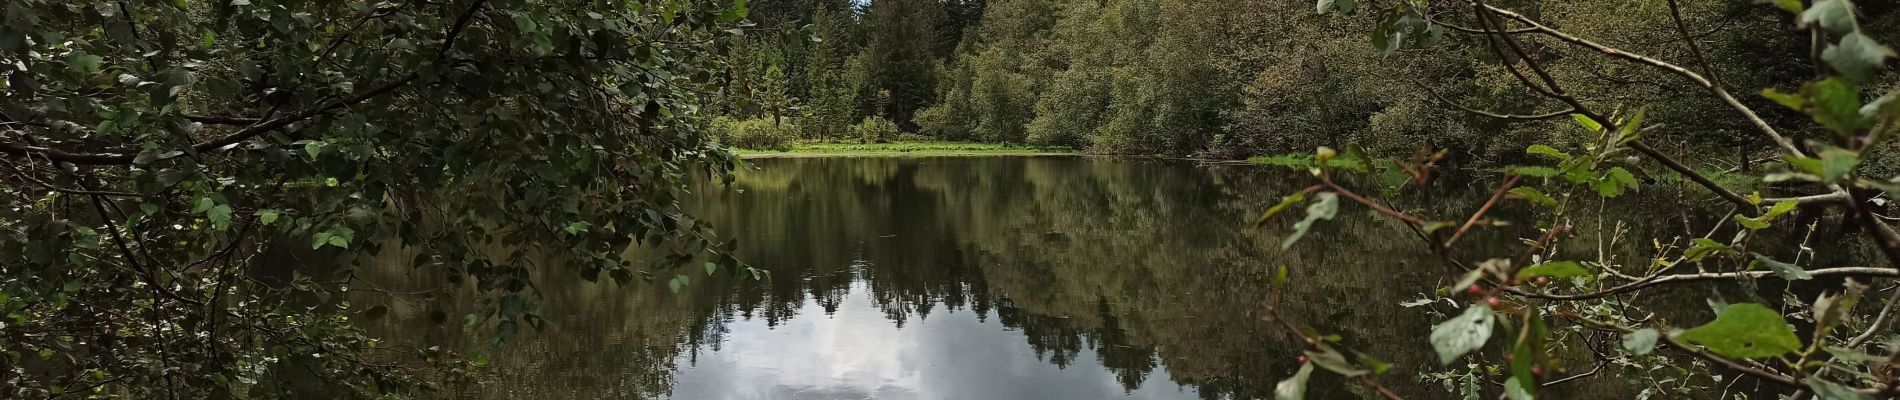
[1469, 222]
[1880, 322]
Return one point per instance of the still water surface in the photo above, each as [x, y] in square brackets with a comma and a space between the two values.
[989, 278]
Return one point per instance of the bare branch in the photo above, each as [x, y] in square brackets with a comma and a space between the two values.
[1672, 68]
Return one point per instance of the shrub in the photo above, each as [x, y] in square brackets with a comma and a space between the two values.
[875, 129]
[756, 133]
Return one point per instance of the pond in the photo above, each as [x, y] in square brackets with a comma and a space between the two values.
[1001, 278]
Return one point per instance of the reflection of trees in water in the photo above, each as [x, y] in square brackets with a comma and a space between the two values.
[1142, 263]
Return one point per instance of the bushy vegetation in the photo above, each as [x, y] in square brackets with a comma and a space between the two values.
[193, 186]
[756, 133]
[1529, 305]
[1236, 78]
[875, 130]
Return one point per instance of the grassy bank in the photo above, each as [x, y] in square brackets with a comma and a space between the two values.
[912, 149]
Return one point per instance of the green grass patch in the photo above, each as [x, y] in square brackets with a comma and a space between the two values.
[816, 149]
[1300, 160]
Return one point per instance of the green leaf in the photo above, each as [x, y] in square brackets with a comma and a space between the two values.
[674, 284]
[1836, 164]
[1559, 269]
[1831, 309]
[1784, 270]
[1462, 334]
[1531, 171]
[1789, 100]
[1792, 6]
[1834, 15]
[525, 23]
[1294, 388]
[1280, 276]
[1587, 123]
[1632, 126]
[220, 216]
[711, 267]
[1747, 331]
[1857, 55]
[85, 64]
[319, 239]
[735, 13]
[313, 148]
[1515, 389]
[1704, 247]
[1835, 103]
[1285, 202]
[1533, 195]
[1883, 108]
[1528, 352]
[1641, 342]
[1613, 182]
[1548, 151]
[1828, 390]
[1324, 6]
[1333, 360]
[1762, 221]
[1324, 208]
[1377, 366]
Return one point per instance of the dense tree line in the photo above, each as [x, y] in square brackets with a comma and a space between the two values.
[1239, 78]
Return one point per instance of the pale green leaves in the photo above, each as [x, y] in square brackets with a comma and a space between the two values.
[1830, 310]
[1747, 331]
[1641, 342]
[1613, 182]
[218, 214]
[737, 12]
[1828, 390]
[338, 236]
[1332, 360]
[1547, 151]
[1857, 55]
[1833, 102]
[1516, 390]
[1462, 334]
[1558, 269]
[1784, 270]
[1328, 6]
[1792, 6]
[1762, 221]
[1294, 388]
[1533, 195]
[678, 281]
[1701, 248]
[1833, 15]
[1532, 171]
[1587, 123]
[84, 64]
[1404, 23]
[1285, 202]
[1325, 207]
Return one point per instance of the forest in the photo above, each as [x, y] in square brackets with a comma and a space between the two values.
[368, 199]
[1234, 79]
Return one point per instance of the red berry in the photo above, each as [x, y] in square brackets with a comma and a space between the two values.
[1303, 360]
[1492, 301]
[1543, 280]
[1474, 289]
[1511, 282]
[1537, 371]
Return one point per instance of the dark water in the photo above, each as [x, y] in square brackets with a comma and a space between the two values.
[1001, 278]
